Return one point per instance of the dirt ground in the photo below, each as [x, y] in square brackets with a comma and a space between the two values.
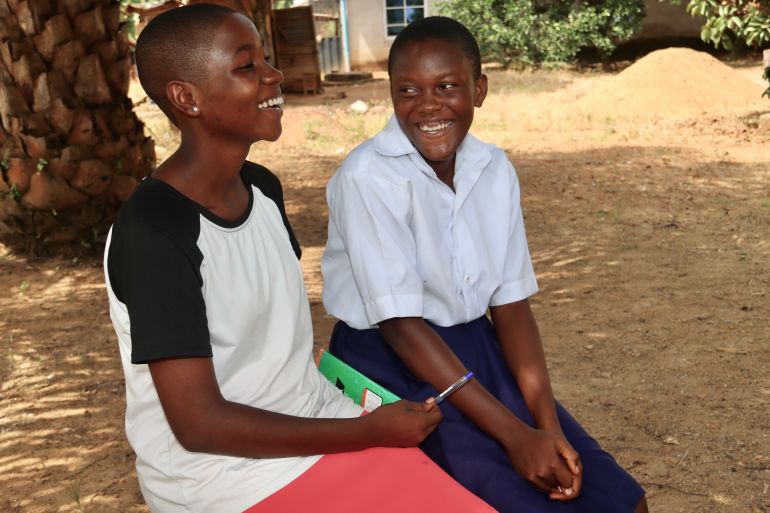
[651, 241]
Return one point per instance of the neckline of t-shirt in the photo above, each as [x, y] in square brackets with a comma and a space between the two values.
[220, 222]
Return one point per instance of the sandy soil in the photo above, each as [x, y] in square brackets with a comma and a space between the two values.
[651, 240]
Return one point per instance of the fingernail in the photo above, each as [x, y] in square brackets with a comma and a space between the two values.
[561, 490]
[568, 491]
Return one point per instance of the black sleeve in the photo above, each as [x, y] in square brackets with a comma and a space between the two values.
[159, 281]
[270, 186]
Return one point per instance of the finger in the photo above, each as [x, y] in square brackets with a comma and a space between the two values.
[556, 495]
[542, 484]
[577, 485]
[430, 402]
[564, 479]
[570, 456]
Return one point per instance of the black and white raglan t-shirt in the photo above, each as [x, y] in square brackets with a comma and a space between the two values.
[183, 282]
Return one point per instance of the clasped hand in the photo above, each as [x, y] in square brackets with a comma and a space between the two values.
[549, 462]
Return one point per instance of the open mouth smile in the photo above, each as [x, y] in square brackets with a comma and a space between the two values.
[272, 103]
[434, 127]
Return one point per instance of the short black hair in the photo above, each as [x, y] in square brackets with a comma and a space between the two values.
[174, 46]
[441, 28]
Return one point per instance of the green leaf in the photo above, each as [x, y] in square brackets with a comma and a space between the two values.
[727, 42]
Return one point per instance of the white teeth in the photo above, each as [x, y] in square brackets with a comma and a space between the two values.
[435, 126]
[272, 102]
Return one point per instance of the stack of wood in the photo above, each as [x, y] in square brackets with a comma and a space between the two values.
[71, 148]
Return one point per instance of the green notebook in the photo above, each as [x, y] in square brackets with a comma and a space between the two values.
[365, 392]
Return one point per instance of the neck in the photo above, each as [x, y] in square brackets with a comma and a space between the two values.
[208, 172]
[445, 171]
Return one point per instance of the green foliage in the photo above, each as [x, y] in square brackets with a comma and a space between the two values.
[132, 19]
[545, 31]
[5, 159]
[15, 192]
[730, 20]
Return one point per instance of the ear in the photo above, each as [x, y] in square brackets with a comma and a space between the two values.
[481, 91]
[182, 97]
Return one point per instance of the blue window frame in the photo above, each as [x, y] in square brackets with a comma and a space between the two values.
[400, 13]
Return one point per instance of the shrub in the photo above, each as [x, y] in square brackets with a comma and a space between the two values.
[728, 20]
[545, 31]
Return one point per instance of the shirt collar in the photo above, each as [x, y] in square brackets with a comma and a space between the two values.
[393, 142]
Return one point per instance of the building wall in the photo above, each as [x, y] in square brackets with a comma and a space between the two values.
[369, 44]
[666, 20]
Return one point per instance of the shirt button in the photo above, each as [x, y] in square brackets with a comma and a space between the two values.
[467, 279]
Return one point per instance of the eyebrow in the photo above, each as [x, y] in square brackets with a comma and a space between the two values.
[443, 76]
[245, 48]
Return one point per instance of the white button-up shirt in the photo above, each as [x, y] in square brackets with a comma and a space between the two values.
[401, 243]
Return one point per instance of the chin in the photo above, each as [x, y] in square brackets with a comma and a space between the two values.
[274, 136]
[438, 156]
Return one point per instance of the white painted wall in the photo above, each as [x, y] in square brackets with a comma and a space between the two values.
[668, 20]
[369, 44]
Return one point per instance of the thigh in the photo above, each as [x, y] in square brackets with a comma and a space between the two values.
[377, 480]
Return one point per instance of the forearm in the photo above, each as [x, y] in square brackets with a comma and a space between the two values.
[519, 339]
[428, 357]
[239, 430]
[203, 421]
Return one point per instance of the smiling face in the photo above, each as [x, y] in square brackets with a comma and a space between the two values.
[241, 97]
[434, 95]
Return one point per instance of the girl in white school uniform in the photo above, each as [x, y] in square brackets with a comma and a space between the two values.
[425, 234]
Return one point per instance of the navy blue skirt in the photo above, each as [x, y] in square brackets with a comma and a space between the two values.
[469, 455]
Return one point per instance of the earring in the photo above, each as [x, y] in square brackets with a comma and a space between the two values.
[195, 109]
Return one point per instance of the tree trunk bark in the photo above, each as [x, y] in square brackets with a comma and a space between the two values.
[71, 147]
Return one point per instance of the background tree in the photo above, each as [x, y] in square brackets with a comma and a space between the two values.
[71, 148]
[731, 20]
[542, 31]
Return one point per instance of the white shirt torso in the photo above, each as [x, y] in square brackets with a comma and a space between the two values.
[401, 243]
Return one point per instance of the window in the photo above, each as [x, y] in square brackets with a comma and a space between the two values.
[400, 13]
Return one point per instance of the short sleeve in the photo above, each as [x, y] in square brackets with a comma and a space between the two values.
[159, 281]
[270, 185]
[518, 277]
[371, 216]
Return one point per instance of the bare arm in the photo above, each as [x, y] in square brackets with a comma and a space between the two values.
[534, 453]
[429, 358]
[203, 421]
[520, 342]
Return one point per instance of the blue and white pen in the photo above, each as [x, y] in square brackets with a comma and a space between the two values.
[453, 387]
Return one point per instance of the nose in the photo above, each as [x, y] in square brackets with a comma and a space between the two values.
[272, 76]
[430, 103]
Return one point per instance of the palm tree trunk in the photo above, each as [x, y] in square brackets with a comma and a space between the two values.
[71, 148]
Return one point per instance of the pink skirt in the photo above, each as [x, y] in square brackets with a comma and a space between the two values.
[377, 480]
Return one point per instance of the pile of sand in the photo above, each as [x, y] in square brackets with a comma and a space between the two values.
[673, 82]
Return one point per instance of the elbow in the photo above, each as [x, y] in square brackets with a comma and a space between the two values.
[398, 330]
[194, 437]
